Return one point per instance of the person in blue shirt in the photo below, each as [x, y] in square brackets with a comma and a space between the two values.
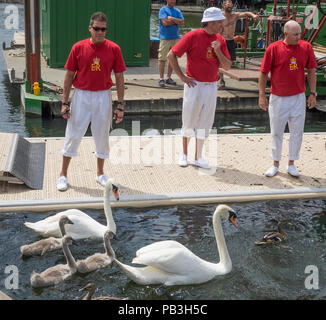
[170, 19]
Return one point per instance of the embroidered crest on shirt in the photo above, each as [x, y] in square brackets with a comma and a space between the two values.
[293, 64]
[209, 53]
[96, 64]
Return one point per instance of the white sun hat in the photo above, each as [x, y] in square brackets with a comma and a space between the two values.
[212, 14]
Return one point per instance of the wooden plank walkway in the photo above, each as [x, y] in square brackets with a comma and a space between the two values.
[146, 172]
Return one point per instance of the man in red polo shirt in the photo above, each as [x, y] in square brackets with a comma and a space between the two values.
[206, 50]
[286, 60]
[89, 67]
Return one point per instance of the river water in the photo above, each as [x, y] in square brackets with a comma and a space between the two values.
[271, 272]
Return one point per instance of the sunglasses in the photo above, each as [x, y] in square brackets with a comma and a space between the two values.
[98, 29]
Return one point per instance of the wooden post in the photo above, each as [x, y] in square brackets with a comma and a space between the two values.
[32, 42]
[288, 9]
[27, 44]
[274, 8]
[268, 32]
[245, 45]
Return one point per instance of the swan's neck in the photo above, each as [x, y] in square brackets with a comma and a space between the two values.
[108, 212]
[70, 259]
[108, 249]
[220, 240]
[62, 228]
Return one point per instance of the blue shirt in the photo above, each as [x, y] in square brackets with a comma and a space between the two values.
[171, 32]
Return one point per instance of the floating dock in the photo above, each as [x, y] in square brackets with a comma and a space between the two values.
[146, 172]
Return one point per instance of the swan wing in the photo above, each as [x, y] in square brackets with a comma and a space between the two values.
[160, 245]
[177, 260]
[68, 213]
[50, 225]
[83, 226]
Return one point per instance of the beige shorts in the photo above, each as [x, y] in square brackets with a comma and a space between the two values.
[165, 47]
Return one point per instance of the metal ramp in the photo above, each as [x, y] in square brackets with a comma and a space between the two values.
[21, 161]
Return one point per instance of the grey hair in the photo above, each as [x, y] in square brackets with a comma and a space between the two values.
[98, 16]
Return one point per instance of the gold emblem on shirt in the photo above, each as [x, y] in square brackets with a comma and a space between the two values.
[209, 54]
[293, 64]
[96, 64]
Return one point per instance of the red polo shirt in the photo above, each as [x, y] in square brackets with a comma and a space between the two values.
[94, 64]
[202, 62]
[287, 64]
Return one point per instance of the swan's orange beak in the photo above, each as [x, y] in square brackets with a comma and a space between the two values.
[115, 191]
[233, 221]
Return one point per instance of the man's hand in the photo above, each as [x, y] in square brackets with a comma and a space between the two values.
[189, 81]
[311, 101]
[216, 45]
[118, 113]
[263, 104]
[65, 111]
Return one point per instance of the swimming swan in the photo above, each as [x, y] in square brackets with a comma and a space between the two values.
[83, 225]
[57, 273]
[90, 288]
[97, 260]
[49, 244]
[170, 263]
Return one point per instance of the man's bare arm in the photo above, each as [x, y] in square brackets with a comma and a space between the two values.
[67, 84]
[311, 78]
[176, 67]
[120, 85]
[225, 63]
[176, 20]
[262, 87]
[170, 21]
[247, 14]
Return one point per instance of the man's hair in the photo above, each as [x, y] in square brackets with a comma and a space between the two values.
[225, 1]
[204, 24]
[98, 16]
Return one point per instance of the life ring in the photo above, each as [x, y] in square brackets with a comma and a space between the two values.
[239, 39]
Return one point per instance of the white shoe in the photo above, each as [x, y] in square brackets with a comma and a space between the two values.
[202, 163]
[292, 170]
[183, 162]
[102, 179]
[271, 172]
[62, 184]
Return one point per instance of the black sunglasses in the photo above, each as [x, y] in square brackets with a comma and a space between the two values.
[98, 29]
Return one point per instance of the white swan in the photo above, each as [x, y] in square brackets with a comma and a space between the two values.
[170, 263]
[57, 273]
[83, 225]
[49, 244]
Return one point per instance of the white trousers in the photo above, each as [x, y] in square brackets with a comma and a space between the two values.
[87, 107]
[283, 110]
[198, 110]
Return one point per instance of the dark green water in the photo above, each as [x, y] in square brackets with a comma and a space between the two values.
[270, 272]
